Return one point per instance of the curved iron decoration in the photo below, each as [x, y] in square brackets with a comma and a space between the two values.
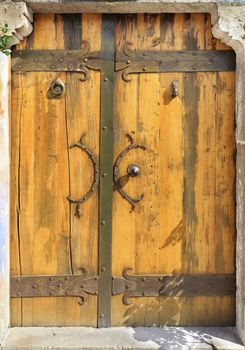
[133, 145]
[88, 62]
[80, 144]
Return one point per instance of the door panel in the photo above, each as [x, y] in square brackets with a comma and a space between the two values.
[46, 237]
[185, 222]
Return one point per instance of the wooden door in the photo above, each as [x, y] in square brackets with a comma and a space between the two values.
[185, 223]
[73, 230]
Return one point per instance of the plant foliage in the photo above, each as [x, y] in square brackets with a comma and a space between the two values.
[5, 39]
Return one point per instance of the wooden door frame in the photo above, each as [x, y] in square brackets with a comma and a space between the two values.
[227, 20]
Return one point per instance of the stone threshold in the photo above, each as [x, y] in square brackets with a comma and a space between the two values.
[122, 338]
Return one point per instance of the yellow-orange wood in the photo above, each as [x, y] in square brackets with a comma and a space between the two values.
[186, 220]
[46, 237]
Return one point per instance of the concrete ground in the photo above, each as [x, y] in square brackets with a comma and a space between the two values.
[122, 338]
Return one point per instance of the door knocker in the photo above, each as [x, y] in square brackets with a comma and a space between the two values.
[95, 182]
[174, 88]
[57, 89]
[133, 170]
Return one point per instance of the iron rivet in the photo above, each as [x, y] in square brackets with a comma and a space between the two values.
[95, 278]
[82, 286]
[143, 294]
[143, 279]
[145, 69]
[36, 60]
[103, 222]
[194, 67]
[59, 285]
[177, 61]
[85, 60]
[50, 293]
[69, 66]
[61, 60]
[20, 66]
[144, 54]
[52, 53]
[50, 279]
[160, 279]
[69, 52]
[103, 269]
[104, 175]
[101, 315]
[105, 127]
[113, 278]
[127, 286]
[113, 293]
[194, 53]
[34, 286]
[53, 66]
[66, 278]
[161, 61]
[18, 280]
[105, 79]
[128, 61]
[211, 59]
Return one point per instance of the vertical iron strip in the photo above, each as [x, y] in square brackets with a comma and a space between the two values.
[106, 171]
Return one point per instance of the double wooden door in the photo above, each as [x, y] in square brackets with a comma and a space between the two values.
[123, 172]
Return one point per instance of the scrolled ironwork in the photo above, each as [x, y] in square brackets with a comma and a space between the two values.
[116, 178]
[95, 182]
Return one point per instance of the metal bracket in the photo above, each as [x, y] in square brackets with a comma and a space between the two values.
[57, 60]
[55, 286]
[134, 61]
[95, 182]
[116, 178]
[132, 286]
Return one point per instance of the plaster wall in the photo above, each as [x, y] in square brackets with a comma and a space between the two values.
[228, 18]
[4, 195]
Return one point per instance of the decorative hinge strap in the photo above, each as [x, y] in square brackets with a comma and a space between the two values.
[138, 61]
[172, 285]
[55, 286]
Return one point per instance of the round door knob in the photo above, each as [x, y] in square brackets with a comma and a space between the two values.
[133, 170]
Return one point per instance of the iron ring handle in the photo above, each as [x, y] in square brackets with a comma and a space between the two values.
[95, 182]
[58, 87]
[124, 195]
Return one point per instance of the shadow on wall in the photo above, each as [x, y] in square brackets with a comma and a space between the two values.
[190, 337]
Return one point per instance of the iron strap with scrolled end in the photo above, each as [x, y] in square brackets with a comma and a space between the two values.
[182, 285]
[55, 286]
[95, 182]
[130, 61]
[133, 145]
[57, 60]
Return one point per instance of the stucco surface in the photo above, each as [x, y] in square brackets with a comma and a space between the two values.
[4, 197]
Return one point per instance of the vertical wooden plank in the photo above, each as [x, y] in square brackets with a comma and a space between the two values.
[123, 229]
[83, 118]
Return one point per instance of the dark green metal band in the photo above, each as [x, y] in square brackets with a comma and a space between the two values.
[106, 175]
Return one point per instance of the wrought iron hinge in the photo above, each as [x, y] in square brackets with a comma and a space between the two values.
[130, 61]
[132, 286]
[55, 286]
